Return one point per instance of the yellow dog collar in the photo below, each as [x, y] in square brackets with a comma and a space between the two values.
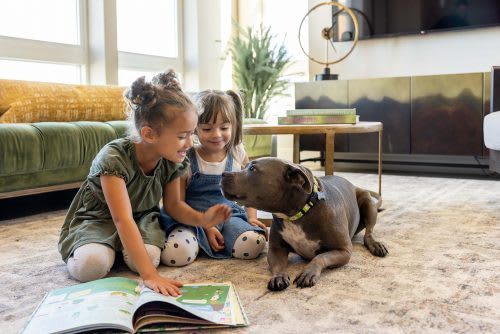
[313, 199]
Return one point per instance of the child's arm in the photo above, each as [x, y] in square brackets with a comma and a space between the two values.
[252, 220]
[118, 201]
[173, 202]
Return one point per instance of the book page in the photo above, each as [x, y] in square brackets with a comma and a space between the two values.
[212, 302]
[240, 316]
[105, 303]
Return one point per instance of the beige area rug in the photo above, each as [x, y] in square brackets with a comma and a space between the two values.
[442, 273]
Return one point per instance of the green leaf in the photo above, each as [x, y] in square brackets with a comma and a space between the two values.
[258, 68]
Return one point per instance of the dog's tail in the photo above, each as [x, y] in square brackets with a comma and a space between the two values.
[377, 200]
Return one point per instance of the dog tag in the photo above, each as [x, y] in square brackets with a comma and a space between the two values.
[321, 195]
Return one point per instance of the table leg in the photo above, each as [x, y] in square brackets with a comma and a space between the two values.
[296, 149]
[329, 152]
[380, 163]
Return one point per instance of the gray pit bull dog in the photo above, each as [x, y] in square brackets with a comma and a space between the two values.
[313, 217]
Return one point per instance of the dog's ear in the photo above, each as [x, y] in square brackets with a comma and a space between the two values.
[300, 176]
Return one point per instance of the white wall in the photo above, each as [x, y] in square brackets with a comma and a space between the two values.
[474, 50]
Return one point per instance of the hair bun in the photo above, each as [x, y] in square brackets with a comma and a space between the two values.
[167, 80]
[141, 93]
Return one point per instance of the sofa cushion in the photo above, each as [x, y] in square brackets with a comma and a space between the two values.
[72, 144]
[21, 149]
[51, 153]
[94, 136]
[27, 102]
[61, 143]
[121, 127]
[42, 178]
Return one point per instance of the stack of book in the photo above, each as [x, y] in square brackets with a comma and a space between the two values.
[319, 116]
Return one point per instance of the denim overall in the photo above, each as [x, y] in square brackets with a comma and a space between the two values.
[204, 191]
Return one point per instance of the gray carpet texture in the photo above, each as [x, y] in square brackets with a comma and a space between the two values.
[442, 274]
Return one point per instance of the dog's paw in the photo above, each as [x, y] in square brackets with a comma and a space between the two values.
[378, 249]
[278, 283]
[306, 279]
[375, 247]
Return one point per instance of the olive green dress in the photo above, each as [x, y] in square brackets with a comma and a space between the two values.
[89, 220]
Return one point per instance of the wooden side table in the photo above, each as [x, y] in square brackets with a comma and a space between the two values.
[329, 130]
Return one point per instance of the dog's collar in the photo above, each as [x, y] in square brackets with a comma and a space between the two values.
[314, 198]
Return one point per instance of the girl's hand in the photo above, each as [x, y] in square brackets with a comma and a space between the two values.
[165, 286]
[215, 239]
[215, 215]
[256, 222]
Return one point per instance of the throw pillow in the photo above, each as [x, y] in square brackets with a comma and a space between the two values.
[28, 102]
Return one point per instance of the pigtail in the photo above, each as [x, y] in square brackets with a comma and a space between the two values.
[150, 102]
[167, 80]
[141, 94]
[238, 110]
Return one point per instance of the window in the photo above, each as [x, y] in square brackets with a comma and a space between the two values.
[67, 40]
[41, 40]
[47, 20]
[148, 37]
[33, 71]
[286, 28]
[126, 77]
[147, 27]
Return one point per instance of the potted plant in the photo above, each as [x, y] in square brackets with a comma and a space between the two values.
[258, 68]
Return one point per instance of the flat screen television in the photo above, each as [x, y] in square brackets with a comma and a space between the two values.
[387, 18]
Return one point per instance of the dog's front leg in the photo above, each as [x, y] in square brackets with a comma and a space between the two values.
[278, 261]
[277, 257]
[312, 272]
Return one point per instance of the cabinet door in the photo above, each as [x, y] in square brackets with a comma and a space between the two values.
[446, 114]
[321, 95]
[385, 100]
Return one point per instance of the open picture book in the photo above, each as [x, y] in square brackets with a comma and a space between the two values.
[118, 303]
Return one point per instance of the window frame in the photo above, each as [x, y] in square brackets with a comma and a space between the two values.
[150, 63]
[21, 49]
[29, 50]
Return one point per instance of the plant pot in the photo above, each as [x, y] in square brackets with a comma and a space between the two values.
[257, 146]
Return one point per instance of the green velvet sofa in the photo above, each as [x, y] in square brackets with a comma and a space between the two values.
[45, 155]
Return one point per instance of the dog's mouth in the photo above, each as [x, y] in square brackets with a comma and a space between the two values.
[234, 197]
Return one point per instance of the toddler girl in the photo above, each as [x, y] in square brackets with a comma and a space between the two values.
[116, 208]
[220, 149]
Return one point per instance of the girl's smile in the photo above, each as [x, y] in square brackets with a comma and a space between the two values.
[215, 136]
[182, 154]
[217, 142]
[175, 139]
